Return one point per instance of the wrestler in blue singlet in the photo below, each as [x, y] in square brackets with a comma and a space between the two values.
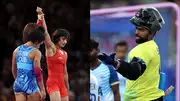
[25, 81]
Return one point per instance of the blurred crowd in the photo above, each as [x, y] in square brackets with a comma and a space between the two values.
[97, 4]
[68, 14]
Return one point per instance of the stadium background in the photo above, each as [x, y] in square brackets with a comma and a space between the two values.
[69, 14]
[109, 29]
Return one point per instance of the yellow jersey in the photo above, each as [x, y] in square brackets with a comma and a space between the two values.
[145, 88]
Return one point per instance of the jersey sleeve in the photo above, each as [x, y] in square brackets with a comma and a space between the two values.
[113, 76]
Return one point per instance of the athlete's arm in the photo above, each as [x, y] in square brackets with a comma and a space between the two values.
[66, 74]
[115, 90]
[114, 83]
[38, 73]
[41, 22]
[14, 66]
[131, 70]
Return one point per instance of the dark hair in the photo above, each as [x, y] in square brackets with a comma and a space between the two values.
[37, 35]
[33, 32]
[60, 33]
[121, 43]
[93, 44]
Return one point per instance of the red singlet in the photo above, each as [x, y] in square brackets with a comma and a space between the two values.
[56, 65]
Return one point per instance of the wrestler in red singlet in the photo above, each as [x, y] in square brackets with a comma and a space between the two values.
[57, 84]
[56, 66]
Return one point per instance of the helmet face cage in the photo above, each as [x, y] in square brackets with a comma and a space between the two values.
[149, 18]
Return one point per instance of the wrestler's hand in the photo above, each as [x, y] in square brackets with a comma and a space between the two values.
[40, 13]
[39, 10]
[43, 94]
[67, 86]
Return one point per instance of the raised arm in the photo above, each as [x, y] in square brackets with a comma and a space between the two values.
[41, 22]
[131, 70]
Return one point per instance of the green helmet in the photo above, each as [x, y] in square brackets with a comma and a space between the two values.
[149, 18]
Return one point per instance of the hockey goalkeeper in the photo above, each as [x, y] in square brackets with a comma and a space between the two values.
[143, 67]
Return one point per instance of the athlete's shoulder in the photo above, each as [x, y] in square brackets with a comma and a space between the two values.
[108, 68]
[101, 68]
[36, 52]
[63, 50]
[145, 51]
[16, 50]
[103, 65]
[65, 53]
[149, 46]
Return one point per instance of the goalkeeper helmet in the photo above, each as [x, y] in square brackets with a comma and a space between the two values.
[149, 18]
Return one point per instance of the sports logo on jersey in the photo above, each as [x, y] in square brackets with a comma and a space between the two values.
[60, 58]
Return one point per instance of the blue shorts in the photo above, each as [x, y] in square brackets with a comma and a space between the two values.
[26, 84]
